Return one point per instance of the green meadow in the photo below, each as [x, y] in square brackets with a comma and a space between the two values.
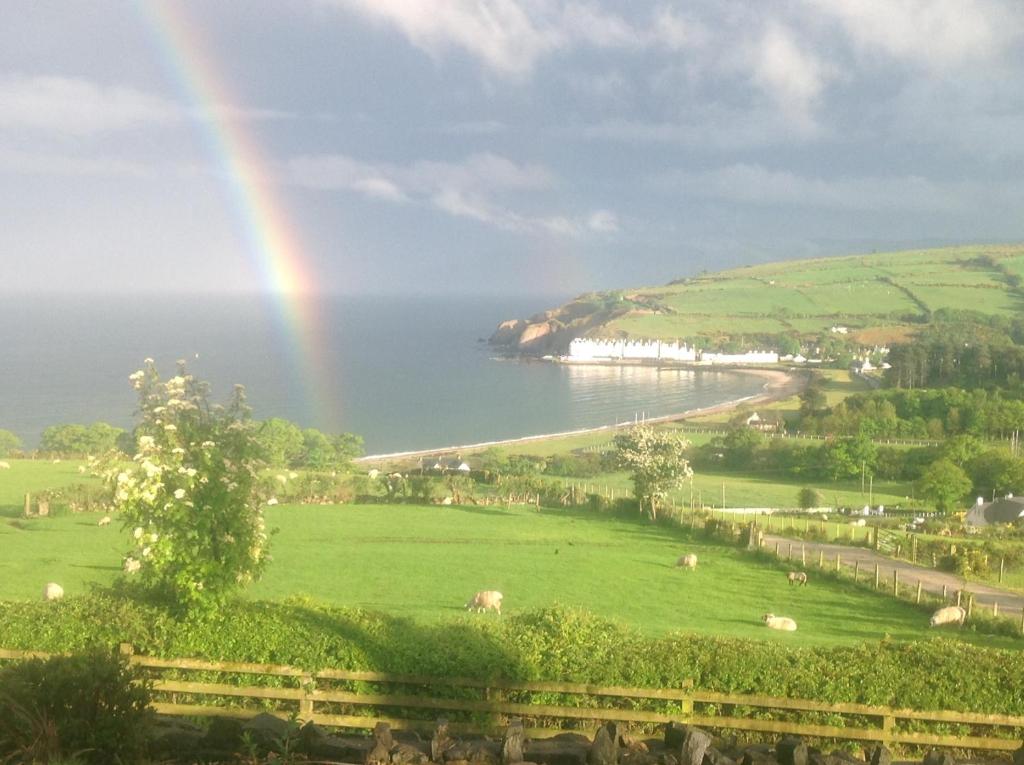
[807, 297]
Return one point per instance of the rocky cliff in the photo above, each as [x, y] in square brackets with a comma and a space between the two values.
[550, 332]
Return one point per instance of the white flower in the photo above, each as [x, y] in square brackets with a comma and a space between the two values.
[147, 360]
[81, 469]
[145, 552]
[154, 537]
[199, 585]
[151, 469]
[179, 493]
[138, 532]
[293, 474]
[191, 472]
[208, 444]
[177, 450]
[131, 565]
[146, 442]
[281, 478]
[272, 501]
[169, 427]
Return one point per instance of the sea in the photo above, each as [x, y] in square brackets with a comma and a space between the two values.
[404, 372]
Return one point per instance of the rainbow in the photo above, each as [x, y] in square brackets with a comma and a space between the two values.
[272, 242]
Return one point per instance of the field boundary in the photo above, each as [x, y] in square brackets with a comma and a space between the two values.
[342, 698]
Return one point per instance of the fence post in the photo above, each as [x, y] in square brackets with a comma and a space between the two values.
[887, 726]
[856, 571]
[876, 576]
[821, 559]
[918, 590]
[306, 702]
[995, 608]
[895, 582]
[959, 596]
[790, 556]
[28, 504]
[803, 555]
[777, 546]
[126, 649]
[1002, 562]
[944, 593]
[838, 561]
[970, 605]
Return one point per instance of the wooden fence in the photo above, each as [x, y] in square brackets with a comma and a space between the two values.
[351, 699]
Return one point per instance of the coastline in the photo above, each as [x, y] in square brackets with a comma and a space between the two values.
[779, 384]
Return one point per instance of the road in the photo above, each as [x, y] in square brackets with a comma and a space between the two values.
[932, 581]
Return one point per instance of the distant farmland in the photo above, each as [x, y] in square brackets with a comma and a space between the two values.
[879, 297]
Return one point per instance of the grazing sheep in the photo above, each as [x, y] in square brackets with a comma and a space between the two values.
[783, 623]
[687, 561]
[948, 615]
[797, 577]
[52, 591]
[104, 521]
[485, 599]
[5, 465]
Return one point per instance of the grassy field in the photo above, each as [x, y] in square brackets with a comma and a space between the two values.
[874, 294]
[34, 476]
[424, 562]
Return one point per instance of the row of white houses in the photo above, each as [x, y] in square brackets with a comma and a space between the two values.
[584, 349]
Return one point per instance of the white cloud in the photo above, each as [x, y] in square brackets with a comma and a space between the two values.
[499, 32]
[604, 222]
[789, 74]
[478, 188]
[940, 34]
[587, 23]
[677, 32]
[758, 185]
[72, 106]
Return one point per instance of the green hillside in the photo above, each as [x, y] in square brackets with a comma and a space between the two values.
[880, 298]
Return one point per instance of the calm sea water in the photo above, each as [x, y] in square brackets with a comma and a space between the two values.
[405, 373]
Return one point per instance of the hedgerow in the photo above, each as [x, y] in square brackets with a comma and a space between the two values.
[555, 643]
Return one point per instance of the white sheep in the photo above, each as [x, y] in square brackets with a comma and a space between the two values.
[797, 577]
[5, 465]
[783, 623]
[485, 599]
[53, 591]
[948, 615]
[104, 521]
[687, 561]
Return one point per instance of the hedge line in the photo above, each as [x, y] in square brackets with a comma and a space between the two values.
[548, 644]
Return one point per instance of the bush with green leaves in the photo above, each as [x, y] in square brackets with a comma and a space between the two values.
[88, 705]
[189, 498]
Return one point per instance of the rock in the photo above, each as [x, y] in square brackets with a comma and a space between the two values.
[508, 332]
[440, 742]
[605, 749]
[819, 758]
[378, 754]
[512, 744]
[223, 735]
[175, 738]
[534, 335]
[714, 757]
[879, 755]
[266, 730]
[939, 757]
[668, 759]
[1018, 756]
[457, 751]
[382, 735]
[407, 754]
[675, 734]
[756, 756]
[484, 753]
[791, 750]
[338, 748]
[695, 745]
[566, 749]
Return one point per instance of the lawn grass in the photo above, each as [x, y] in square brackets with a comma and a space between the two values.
[424, 562]
[33, 476]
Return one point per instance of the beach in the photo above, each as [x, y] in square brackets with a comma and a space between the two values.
[779, 384]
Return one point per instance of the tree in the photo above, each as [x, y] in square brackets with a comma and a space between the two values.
[189, 497]
[97, 438]
[807, 498]
[944, 484]
[8, 442]
[280, 441]
[656, 461]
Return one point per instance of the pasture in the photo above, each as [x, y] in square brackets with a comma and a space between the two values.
[806, 297]
[425, 562]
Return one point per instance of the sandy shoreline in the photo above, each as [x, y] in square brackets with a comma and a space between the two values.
[780, 384]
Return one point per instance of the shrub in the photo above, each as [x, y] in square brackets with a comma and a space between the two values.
[86, 705]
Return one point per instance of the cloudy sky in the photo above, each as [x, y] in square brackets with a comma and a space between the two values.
[497, 145]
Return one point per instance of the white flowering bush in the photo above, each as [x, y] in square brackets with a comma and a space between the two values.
[657, 463]
[189, 496]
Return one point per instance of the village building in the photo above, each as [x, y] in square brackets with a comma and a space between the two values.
[598, 349]
[1008, 509]
[770, 423]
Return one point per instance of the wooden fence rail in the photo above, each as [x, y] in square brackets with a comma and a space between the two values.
[339, 698]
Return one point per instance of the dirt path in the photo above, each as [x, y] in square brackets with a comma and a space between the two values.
[1010, 603]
